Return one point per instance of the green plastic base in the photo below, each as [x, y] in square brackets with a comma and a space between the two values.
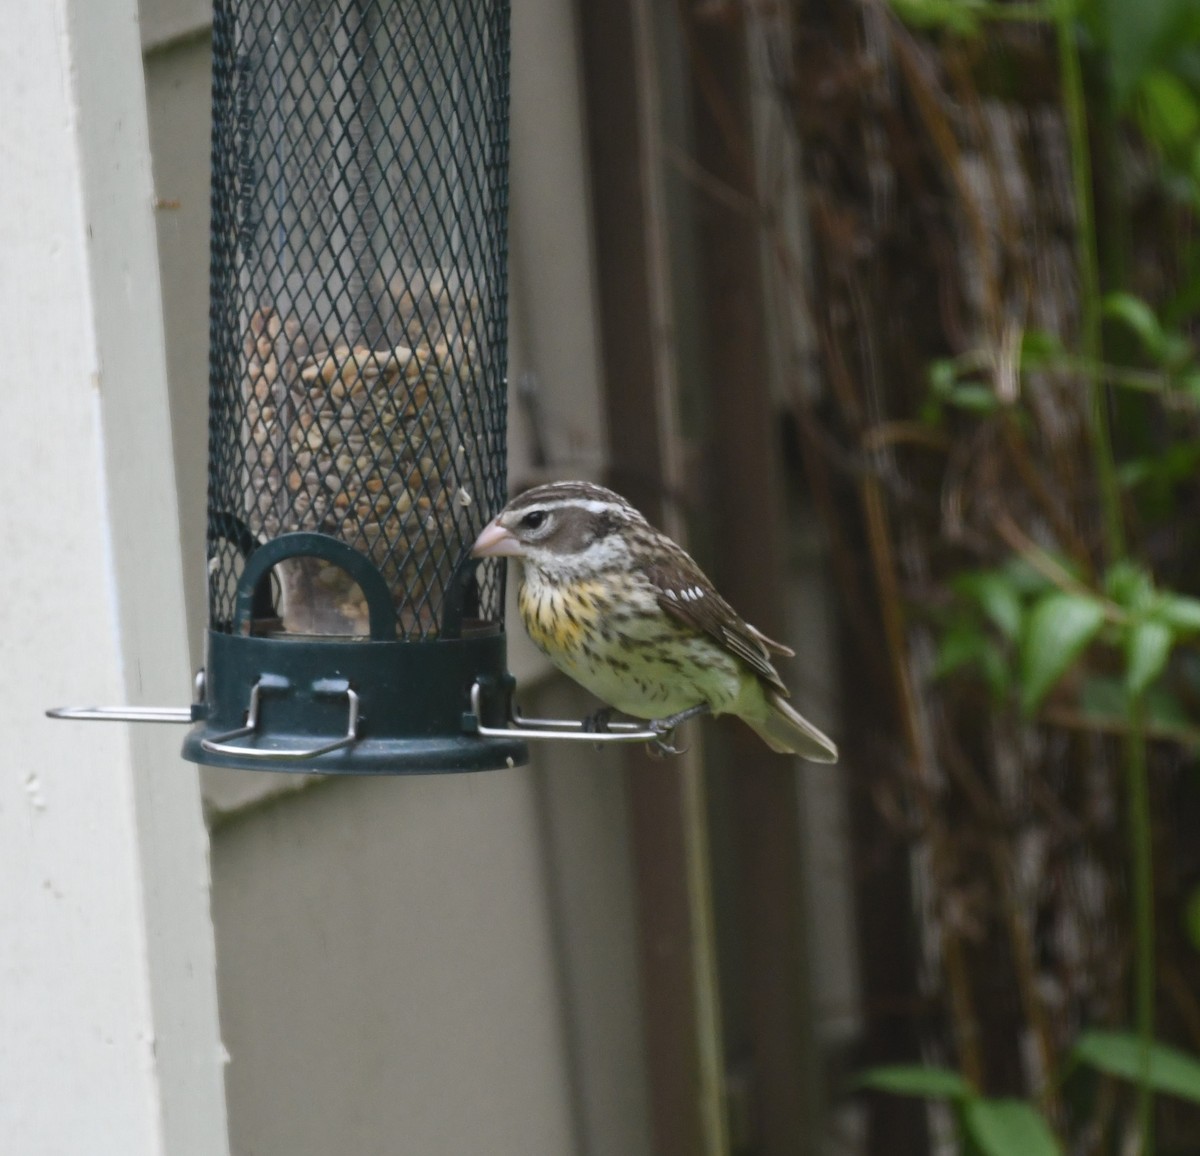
[414, 704]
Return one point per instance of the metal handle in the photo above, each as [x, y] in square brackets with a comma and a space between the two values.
[221, 745]
[155, 714]
[381, 614]
[569, 730]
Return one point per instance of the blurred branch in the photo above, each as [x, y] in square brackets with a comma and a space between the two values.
[1073, 719]
[710, 184]
[1046, 564]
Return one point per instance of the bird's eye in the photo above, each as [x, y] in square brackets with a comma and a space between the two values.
[533, 519]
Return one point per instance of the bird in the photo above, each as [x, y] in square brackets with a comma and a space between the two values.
[625, 611]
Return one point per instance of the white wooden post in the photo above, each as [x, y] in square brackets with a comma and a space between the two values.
[108, 1016]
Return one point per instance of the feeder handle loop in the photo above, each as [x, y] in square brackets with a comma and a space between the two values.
[305, 544]
[232, 529]
[221, 745]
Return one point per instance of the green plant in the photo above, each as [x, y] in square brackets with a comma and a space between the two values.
[1089, 634]
[1009, 1127]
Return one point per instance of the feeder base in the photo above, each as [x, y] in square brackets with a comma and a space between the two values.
[352, 707]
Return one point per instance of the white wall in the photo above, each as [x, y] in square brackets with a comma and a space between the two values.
[107, 997]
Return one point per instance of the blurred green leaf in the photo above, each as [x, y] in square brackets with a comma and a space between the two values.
[943, 376]
[1040, 347]
[1147, 648]
[1138, 34]
[1169, 112]
[1163, 709]
[997, 595]
[996, 670]
[1170, 1070]
[1189, 382]
[1168, 349]
[931, 413]
[1191, 917]
[1056, 633]
[974, 398]
[959, 16]
[1028, 580]
[1182, 460]
[1136, 314]
[1157, 475]
[1135, 471]
[1176, 463]
[963, 645]
[959, 646]
[916, 1080]
[1180, 611]
[1177, 354]
[1008, 1128]
[946, 385]
[1104, 698]
[1130, 586]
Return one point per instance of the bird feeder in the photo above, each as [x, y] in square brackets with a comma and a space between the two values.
[356, 389]
[357, 409]
[357, 377]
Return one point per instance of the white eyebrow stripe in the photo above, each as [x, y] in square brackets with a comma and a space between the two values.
[592, 505]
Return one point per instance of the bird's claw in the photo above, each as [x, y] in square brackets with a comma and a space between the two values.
[662, 746]
[660, 749]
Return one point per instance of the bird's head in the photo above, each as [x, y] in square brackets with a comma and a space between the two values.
[564, 529]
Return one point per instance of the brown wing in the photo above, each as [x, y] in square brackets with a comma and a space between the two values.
[689, 597]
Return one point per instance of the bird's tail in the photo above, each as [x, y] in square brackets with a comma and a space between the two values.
[786, 732]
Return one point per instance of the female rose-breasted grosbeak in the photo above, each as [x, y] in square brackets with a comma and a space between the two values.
[629, 615]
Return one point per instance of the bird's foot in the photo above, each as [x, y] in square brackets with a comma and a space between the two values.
[665, 728]
[597, 722]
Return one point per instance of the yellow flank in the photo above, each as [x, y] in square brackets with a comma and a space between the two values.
[560, 620]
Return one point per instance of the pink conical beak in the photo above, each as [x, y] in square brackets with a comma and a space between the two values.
[495, 542]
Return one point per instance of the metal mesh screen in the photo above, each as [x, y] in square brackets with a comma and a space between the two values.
[358, 288]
